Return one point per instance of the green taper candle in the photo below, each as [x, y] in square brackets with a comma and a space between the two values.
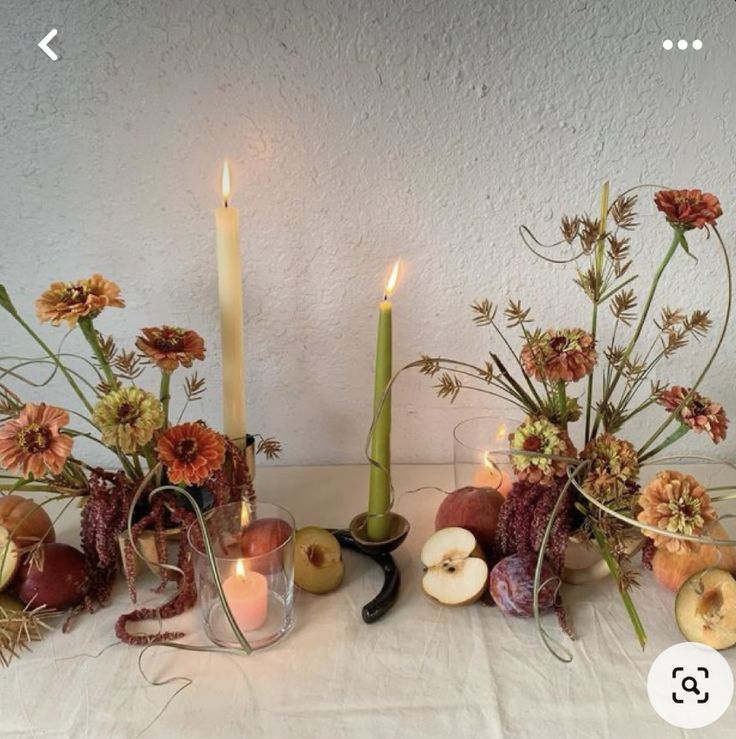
[379, 499]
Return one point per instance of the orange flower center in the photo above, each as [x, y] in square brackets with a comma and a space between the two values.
[34, 438]
[127, 413]
[186, 450]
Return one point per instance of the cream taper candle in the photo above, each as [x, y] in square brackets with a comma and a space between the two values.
[229, 272]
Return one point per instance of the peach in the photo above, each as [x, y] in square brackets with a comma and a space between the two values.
[26, 521]
[473, 509]
[672, 570]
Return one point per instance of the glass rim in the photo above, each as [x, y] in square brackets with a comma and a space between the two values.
[485, 417]
[242, 557]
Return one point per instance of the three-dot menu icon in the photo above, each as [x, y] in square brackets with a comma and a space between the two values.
[668, 44]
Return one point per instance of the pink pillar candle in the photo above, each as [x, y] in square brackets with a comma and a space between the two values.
[493, 477]
[247, 595]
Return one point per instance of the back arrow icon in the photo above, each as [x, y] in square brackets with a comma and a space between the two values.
[43, 45]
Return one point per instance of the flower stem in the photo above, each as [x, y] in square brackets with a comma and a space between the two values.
[625, 595]
[562, 402]
[597, 299]
[55, 359]
[669, 441]
[640, 325]
[165, 395]
[714, 354]
[88, 330]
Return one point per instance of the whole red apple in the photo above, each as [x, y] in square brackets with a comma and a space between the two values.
[474, 509]
[263, 536]
[56, 577]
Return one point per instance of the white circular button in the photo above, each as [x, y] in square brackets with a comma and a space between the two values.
[697, 44]
[682, 44]
[668, 44]
[690, 685]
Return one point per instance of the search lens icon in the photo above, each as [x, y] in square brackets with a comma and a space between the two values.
[690, 685]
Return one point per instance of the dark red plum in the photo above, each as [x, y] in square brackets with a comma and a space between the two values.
[512, 585]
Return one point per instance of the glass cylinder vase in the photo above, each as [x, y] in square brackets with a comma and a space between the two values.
[253, 545]
[481, 458]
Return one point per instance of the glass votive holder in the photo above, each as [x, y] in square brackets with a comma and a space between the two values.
[253, 546]
[481, 452]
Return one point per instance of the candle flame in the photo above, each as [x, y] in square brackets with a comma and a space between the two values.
[225, 182]
[501, 433]
[493, 469]
[240, 569]
[392, 279]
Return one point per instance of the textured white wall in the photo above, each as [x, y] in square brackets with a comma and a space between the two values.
[358, 131]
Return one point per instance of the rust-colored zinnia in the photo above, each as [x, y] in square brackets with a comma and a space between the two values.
[70, 301]
[699, 413]
[169, 346]
[688, 209]
[32, 443]
[559, 354]
[678, 503]
[191, 453]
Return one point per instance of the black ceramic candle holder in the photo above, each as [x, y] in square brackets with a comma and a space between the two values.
[355, 538]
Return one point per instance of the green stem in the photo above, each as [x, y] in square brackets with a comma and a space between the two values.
[714, 354]
[589, 399]
[530, 404]
[625, 596]
[518, 361]
[600, 253]
[562, 402]
[165, 395]
[88, 329]
[669, 441]
[640, 325]
[54, 359]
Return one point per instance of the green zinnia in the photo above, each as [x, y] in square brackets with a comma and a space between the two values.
[128, 418]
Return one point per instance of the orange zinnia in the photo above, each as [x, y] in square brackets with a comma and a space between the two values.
[191, 453]
[689, 208]
[70, 301]
[168, 346]
[32, 442]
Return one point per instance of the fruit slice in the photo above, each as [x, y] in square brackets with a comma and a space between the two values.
[9, 558]
[318, 565]
[455, 573]
[705, 608]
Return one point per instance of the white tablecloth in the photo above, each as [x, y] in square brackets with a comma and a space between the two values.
[424, 670]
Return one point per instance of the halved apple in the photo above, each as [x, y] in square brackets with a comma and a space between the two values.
[455, 572]
[9, 558]
[705, 608]
[318, 565]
